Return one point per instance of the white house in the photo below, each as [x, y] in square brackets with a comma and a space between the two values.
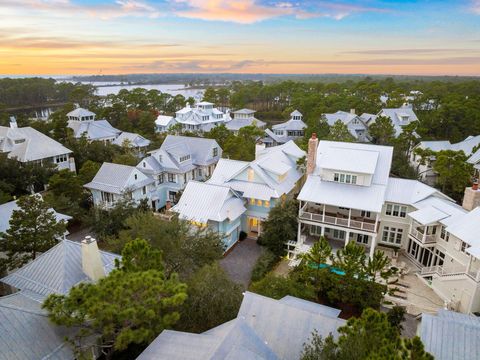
[426, 172]
[355, 124]
[114, 182]
[28, 145]
[83, 123]
[284, 132]
[164, 122]
[179, 160]
[349, 196]
[242, 118]
[400, 117]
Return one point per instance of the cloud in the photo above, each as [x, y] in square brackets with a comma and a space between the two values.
[407, 51]
[193, 66]
[476, 7]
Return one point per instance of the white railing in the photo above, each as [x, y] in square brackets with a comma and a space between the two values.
[425, 239]
[333, 220]
[446, 272]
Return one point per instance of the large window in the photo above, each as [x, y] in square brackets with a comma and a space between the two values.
[345, 178]
[392, 235]
[396, 210]
[444, 235]
[184, 158]
[171, 178]
[107, 197]
[161, 179]
[61, 158]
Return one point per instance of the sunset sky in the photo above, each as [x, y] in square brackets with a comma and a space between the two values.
[56, 37]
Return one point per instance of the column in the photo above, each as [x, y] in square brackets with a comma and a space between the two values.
[322, 231]
[323, 213]
[347, 238]
[349, 216]
[373, 245]
[299, 233]
[469, 264]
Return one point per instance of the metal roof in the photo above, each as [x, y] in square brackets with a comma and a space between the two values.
[135, 140]
[310, 306]
[466, 145]
[343, 116]
[80, 112]
[467, 228]
[290, 125]
[428, 215]
[56, 270]
[450, 337]
[27, 144]
[93, 129]
[349, 160]
[237, 124]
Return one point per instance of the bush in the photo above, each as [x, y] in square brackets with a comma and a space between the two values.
[264, 264]
[278, 287]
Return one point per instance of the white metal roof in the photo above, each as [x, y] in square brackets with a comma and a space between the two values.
[244, 111]
[467, 228]
[81, 112]
[202, 202]
[428, 215]
[135, 140]
[164, 120]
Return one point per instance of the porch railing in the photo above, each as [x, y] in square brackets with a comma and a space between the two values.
[339, 221]
[445, 272]
[425, 239]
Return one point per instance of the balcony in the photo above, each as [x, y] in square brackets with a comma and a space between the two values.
[419, 234]
[353, 222]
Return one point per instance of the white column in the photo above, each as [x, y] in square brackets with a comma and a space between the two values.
[322, 231]
[376, 223]
[323, 213]
[469, 264]
[299, 233]
[373, 245]
[349, 216]
[347, 238]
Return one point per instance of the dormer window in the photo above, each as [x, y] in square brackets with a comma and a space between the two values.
[135, 176]
[215, 151]
[19, 141]
[184, 158]
[345, 178]
[205, 118]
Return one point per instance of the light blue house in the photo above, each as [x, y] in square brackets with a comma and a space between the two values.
[179, 160]
[272, 176]
[214, 206]
[356, 125]
[115, 182]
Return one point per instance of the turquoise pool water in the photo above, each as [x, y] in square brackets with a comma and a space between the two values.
[323, 266]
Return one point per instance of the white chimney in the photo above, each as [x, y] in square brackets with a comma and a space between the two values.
[352, 111]
[13, 122]
[259, 147]
[91, 260]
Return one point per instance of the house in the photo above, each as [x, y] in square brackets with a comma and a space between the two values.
[214, 206]
[355, 124]
[7, 209]
[202, 117]
[399, 117]
[284, 132]
[349, 196]
[449, 335]
[28, 145]
[179, 160]
[115, 182]
[164, 122]
[25, 330]
[425, 171]
[242, 118]
[271, 177]
[83, 123]
[263, 329]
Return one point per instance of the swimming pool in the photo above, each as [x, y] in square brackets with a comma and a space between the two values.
[323, 266]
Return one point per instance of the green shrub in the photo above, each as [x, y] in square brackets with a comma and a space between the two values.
[264, 264]
[278, 287]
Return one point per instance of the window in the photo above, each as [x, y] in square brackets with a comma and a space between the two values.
[259, 202]
[184, 158]
[215, 151]
[252, 201]
[339, 234]
[185, 178]
[144, 190]
[464, 247]
[444, 235]
[107, 197]
[396, 210]
[171, 178]
[135, 176]
[61, 158]
[144, 165]
[266, 203]
[161, 178]
[392, 235]
[366, 213]
[199, 172]
[362, 239]
[250, 174]
[345, 178]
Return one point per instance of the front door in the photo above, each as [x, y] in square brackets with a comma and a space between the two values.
[253, 225]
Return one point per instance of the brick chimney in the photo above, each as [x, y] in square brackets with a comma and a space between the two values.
[168, 205]
[91, 260]
[312, 153]
[471, 198]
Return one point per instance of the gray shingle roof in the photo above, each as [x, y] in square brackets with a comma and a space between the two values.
[56, 270]
[27, 144]
[264, 329]
[451, 336]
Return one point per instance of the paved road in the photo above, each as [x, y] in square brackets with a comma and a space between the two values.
[240, 261]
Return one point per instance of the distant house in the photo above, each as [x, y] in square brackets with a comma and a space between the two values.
[114, 182]
[7, 209]
[450, 335]
[83, 123]
[284, 132]
[242, 118]
[426, 173]
[179, 160]
[132, 140]
[271, 177]
[202, 117]
[214, 206]
[264, 329]
[26, 332]
[28, 145]
[355, 124]
[400, 117]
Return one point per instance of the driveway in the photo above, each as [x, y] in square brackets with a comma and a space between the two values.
[239, 262]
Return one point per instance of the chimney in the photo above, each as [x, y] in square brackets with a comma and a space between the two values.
[312, 153]
[91, 260]
[168, 205]
[13, 122]
[259, 147]
[471, 198]
[352, 111]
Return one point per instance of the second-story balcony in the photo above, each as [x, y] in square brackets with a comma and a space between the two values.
[346, 218]
[422, 233]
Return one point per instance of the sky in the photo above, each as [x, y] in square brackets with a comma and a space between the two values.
[412, 37]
